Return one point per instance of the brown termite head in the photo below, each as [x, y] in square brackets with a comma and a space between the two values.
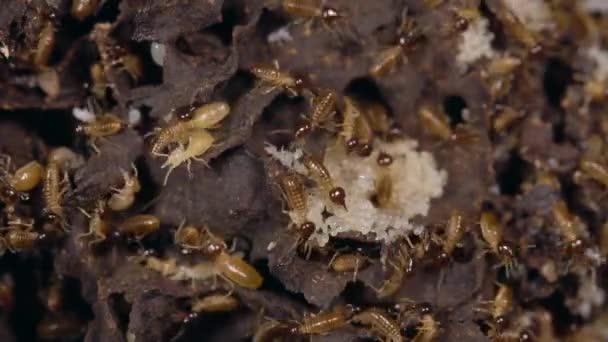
[82, 9]
[384, 159]
[212, 244]
[140, 226]
[352, 145]
[46, 45]
[338, 196]
[27, 177]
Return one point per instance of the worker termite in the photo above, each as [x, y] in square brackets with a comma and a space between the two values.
[274, 78]
[319, 173]
[322, 323]
[295, 195]
[82, 9]
[323, 109]
[492, 233]
[188, 237]
[139, 226]
[455, 230]
[570, 228]
[500, 307]
[98, 227]
[515, 27]
[17, 240]
[215, 303]
[594, 170]
[380, 323]
[504, 118]
[230, 267]
[499, 75]
[98, 80]
[46, 45]
[435, 122]
[351, 262]
[27, 177]
[403, 266]
[65, 158]
[199, 142]
[429, 329]
[103, 126]
[310, 9]
[54, 186]
[203, 117]
[123, 198]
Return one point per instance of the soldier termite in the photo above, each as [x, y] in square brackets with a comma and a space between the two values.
[492, 233]
[319, 173]
[275, 78]
[594, 170]
[103, 126]
[429, 329]
[123, 198]
[323, 109]
[203, 117]
[570, 228]
[198, 143]
[98, 227]
[82, 9]
[27, 177]
[380, 323]
[53, 189]
[139, 226]
[46, 45]
[215, 303]
[322, 323]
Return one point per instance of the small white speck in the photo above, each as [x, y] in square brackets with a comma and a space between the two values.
[466, 114]
[553, 163]
[83, 114]
[494, 189]
[134, 116]
[158, 52]
[4, 51]
[271, 246]
[596, 5]
[281, 35]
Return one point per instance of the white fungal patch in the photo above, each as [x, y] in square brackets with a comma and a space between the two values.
[534, 14]
[281, 35]
[83, 114]
[415, 182]
[599, 57]
[476, 43]
[288, 159]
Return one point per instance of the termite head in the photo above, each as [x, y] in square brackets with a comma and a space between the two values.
[9, 194]
[49, 216]
[337, 195]
[424, 308]
[441, 259]
[576, 247]
[330, 14]
[365, 150]
[184, 113]
[505, 251]
[352, 144]
[525, 336]
[500, 323]
[384, 159]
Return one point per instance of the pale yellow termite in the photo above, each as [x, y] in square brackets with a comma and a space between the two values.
[123, 198]
[198, 143]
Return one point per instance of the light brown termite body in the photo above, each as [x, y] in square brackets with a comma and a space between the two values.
[237, 271]
[53, 191]
[295, 194]
[103, 126]
[403, 265]
[323, 108]
[215, 303]
[435, 122]
[380, 323]
[322, 323]
[46, 45]
[275, 78]
[17, 240]
[27, 177]
[594, 170]
[189, 237]
[351, 112]
[140, 226]
[386, 61]
[384, 190]
[199, 142]
[98, 226]
[322, 177]
[204, 117]
[492, 233]
[505, 118]
[123, 198]
[82, 9]
[309, 9]
[503, 302]
[429, 329]
[364, 134]
[570, 227]
[454, 232]
[98, 79]
[348, 262]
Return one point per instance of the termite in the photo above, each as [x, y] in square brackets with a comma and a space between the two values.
[17, 240]
[454, 233]
[310, 9]
[188, 236]
[46, 45]
[500, 307]
[82, 9]
[323, 109]
[199, 142]
[464, 17]
[386, 61]
[492, 233]
[364, 135]
[322, 323]
[319, 173]
[351, 262]
[203, 117]
[429, 329]
[380, 323]
[295, 195]
[53, 189]
[504, 118]
[98, 226]
[594, 170]
[123, 198]
[351, 112]
[514, 26]
[402, 266]
[140, 226]
[65, 158]
[275, 78]
[230, 267]
[27, 177]
[499, 75]
[215, 303]
[103, 126]
[270, 330]
[98, 79]
[570, 227]
[384, 190]
[435, 122]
